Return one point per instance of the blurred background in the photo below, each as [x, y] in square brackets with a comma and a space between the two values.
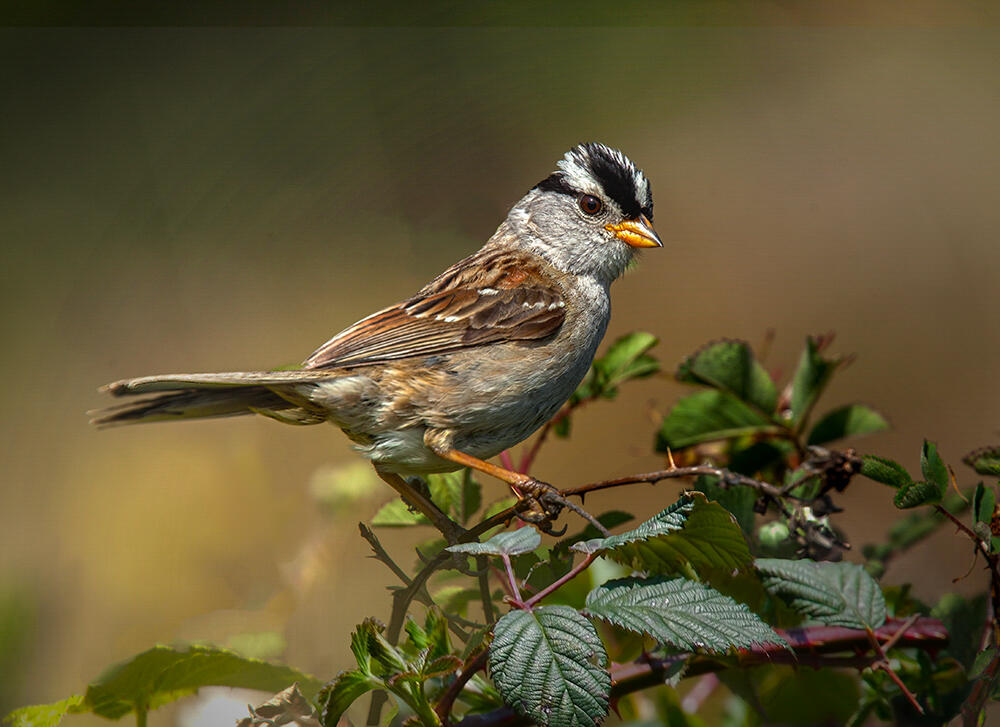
[198, 199]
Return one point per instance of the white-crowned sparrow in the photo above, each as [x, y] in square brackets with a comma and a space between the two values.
[473, 363]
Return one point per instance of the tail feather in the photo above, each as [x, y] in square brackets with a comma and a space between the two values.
[194, 396]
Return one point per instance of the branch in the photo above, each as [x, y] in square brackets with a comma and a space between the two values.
[727, 477]
[815, 647]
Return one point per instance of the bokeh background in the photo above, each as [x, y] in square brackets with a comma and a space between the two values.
[177, 199]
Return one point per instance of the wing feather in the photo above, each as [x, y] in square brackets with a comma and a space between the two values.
[492, 297]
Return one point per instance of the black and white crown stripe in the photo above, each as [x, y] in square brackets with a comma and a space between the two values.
[594, 168]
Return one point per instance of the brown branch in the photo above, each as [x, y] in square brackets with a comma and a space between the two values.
[447, 701]
[816, 647]
[727, 477]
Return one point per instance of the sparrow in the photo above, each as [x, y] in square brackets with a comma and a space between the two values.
[474, 363]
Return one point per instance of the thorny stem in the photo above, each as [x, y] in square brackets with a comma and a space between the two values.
[882, 663]
[469, 669]
[402, 598]
[728, 477]
[812, 647]
[973, 706]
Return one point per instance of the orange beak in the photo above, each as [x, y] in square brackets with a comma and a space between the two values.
[637, 233]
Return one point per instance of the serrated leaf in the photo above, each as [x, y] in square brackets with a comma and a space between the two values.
[375, 655]
[679, 612]
[887, 471]
[509, 542]
[397, 514]
[610, 519]
[848, 421]
[709, 416]
[164, 673]
[809, 381]
[342, 692]
[985, 460]
[692, 534]
[551, 667]
[45, 715]
[914, 494]
[731, 366]
[836, 594]
[933, 467]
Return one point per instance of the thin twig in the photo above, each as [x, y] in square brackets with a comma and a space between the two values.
[882, 662]
[726, 476]
[573, 573]
[469, 669]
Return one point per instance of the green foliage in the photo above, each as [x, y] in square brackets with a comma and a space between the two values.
[625, 360]
[709, 416]
[510, 542]
[847, 421]
[985, 460]
[711, 579]
[730, 366]
[810, 379]
[679, 613]
[403, 671]
[836, 594]
[458, 495]
[161, 675]
[913, 494]
[692, 536]
[550, 665]
[886, 471]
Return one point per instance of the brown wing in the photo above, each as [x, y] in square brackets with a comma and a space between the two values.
[503, 298]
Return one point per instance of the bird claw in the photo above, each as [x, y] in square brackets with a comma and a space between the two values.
[544, 505]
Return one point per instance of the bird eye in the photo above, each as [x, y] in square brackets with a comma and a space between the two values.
[590, 204]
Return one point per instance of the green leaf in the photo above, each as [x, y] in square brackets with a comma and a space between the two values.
[914, 494]
[397, 514]
[808, 696]
[886, 471]
[709, 416]
[730, 366]
[626, 359]
[693, 534]
[342, 692]
[679, 612]
[374, 654]
[164, 673]
[809, 381]
[982, 660]
[551, 667]
[932, 467]
[964, 619]
[848, 421]
[985, 460]
[984, 503]
[509, 542]
[610, 519]
[45, 715]
[737, 500]
[836, 594]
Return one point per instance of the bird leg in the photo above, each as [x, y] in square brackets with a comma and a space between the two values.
[451, 530]
[546, 503]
